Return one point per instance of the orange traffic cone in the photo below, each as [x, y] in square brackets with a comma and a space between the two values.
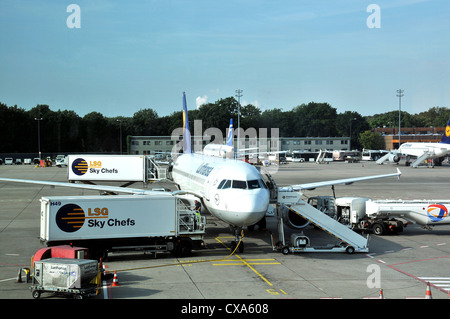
[115, 281]
[428, 293]
[381, 294]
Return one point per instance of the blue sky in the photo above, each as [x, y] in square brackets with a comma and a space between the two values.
[131, 55]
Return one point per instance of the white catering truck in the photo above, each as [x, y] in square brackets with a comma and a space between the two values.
[129, 168]
[153, 223]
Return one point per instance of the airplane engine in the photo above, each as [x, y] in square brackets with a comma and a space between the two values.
[292, 219]
[394, 158]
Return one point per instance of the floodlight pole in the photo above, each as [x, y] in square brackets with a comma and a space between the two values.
[238, 95]
[39, 136]
[399, 95]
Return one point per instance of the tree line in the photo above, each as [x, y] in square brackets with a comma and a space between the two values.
[65, 131]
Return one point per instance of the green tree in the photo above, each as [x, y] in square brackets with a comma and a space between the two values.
[314, 119]
[250, 116]
[145, 122]
[371, 140]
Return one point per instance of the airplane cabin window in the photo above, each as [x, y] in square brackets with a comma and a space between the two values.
[240, 184]
[253, 184]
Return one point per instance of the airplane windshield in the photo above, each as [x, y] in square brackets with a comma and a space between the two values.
[227, 184]
[253, 184]
[237, 184]
[240, 184]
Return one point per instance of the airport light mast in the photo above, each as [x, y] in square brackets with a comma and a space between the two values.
[399, 94]
[39, 136]
[238, 95]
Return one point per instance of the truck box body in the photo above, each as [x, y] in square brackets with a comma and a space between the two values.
[67, 218]
[64, 273]
[107, 168]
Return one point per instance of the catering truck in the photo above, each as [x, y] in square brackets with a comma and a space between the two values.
[149, 223]
[128, 168]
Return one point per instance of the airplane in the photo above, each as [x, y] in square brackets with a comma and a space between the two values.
[230, 189]
[421, 151]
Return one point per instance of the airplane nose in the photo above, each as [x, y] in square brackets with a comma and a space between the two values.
[251, 207]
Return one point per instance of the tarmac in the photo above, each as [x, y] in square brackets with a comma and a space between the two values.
[399, 265]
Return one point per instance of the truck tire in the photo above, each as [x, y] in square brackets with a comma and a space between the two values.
[285, 250]
[183, 249]
[378, 229]
[350, 250]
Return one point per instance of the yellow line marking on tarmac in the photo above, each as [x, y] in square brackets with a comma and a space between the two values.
[244, 262]
[270, 261]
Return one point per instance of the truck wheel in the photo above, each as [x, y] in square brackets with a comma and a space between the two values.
[183, 249]
[378, 229]
[36, 294]
[285, 250]
[350, 250]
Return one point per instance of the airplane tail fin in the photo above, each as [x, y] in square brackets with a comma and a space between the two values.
[446, 137]
[186, 132]
[230, 134]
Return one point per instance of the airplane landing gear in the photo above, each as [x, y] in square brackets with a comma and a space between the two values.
[239, 234]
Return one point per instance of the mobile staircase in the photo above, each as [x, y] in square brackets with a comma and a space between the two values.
[350, 241]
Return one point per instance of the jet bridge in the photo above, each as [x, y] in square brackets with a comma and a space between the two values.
[350, 240]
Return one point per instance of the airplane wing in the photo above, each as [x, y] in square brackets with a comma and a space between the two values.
[135, 191]
[347, 181]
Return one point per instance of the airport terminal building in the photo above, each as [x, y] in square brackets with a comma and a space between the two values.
[149, 145]
[410, 134]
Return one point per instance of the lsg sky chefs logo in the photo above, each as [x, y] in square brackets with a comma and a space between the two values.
[71, 218]
[80, 167]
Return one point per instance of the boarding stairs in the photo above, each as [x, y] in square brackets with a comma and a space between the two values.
[350, 240]
[421, 158]
[383, 159]
[321, 157]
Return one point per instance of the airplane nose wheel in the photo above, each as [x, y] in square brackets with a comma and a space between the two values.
[239, 234]
[234, 245]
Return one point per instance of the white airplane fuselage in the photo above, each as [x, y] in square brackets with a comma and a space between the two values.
[434, 150]
[231, 190]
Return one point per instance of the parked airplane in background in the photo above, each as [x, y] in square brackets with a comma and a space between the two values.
[230, 189]
[421, 151]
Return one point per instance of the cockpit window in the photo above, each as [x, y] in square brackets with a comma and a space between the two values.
[221, 184]
[226, 183]
[236, 184]
[253, 184]
[240, 184]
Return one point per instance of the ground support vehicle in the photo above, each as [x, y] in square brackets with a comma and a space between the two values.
[148, 223]
[289, 204]
[383, 216]
[120, 168]
[352, 212]
[77, 277]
